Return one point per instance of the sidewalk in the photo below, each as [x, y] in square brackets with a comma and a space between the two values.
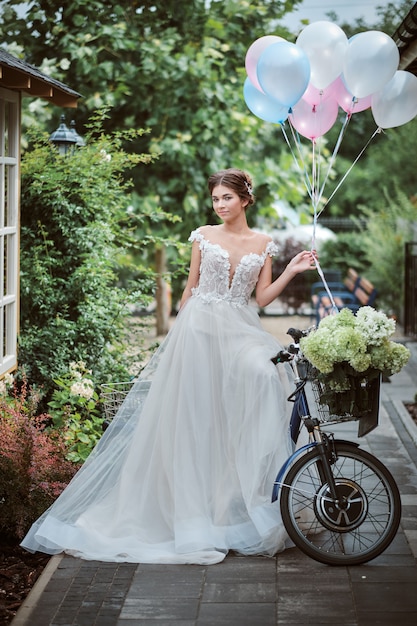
[289, 589]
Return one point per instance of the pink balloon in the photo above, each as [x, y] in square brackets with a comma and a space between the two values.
[347, 101]
[314, 121]
[253, 54]
[313, 96]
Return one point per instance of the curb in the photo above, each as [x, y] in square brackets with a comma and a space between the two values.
[23, 614]
[406, 419]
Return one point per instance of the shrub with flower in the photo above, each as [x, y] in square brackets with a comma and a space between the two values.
[33, 468]
[75, 409]
[348, 348]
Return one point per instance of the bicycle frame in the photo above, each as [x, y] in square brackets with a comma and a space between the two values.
[300, 416]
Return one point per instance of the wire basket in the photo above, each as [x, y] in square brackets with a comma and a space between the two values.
[324, 415]
[363, 404]
[113, 395]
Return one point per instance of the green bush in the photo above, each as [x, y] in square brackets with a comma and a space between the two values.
[347, 250]
[76, 227]
[377, 250]
[389, 227]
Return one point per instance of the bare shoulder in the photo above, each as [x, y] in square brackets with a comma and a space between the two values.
[207, 228]
[203, 230]
[261, 239]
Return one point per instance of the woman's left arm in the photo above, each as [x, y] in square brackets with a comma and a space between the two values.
[193, 274]
[267, 290]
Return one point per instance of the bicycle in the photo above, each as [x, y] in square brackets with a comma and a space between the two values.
[339, 504]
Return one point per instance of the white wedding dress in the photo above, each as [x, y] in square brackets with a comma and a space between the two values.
[185, 471]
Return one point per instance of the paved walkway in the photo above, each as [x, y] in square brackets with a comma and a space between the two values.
[290, 589]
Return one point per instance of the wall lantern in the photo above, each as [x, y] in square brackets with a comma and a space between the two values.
[64, 138]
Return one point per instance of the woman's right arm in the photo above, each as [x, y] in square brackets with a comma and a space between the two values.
[193, 273]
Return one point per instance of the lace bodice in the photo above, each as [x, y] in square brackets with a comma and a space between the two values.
[215, 282]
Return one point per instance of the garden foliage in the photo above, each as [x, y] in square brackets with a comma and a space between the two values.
[376, 249]
[33, 467]
[76, 232]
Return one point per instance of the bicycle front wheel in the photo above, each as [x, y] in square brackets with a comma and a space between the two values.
[355, 527]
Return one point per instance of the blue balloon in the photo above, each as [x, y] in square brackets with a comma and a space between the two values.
[283, 72]
[263, 106]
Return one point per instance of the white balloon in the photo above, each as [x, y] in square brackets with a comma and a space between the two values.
[396, 103]
[325, 45]
[371, 60]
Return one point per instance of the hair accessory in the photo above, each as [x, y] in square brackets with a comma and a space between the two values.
[249, 188]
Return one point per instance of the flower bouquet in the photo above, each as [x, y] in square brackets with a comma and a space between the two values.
[350, 353]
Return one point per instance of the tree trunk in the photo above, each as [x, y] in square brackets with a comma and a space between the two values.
[162, 295]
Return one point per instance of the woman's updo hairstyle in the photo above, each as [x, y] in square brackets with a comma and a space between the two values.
[237, 180]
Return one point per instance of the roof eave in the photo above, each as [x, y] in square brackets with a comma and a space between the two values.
[20, 76]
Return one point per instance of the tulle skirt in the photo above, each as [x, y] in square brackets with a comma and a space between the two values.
[186, 469]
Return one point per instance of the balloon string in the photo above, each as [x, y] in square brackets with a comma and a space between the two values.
[315, 172]
[312, 187]
[334, 308]
[303, 170]
[316, 178]
[335, 152]
[377, 131]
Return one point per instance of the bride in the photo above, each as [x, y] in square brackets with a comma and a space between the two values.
[185, 471]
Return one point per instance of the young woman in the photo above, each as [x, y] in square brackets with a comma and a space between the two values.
[185, 471]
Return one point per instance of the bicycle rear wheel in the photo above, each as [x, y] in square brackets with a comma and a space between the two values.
[356, 527]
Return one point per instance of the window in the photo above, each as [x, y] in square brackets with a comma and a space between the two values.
[9, 223]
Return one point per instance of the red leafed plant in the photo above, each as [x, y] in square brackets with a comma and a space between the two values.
[33, 467]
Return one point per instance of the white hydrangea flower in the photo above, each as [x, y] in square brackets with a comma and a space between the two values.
[83, 388]
[9, 379]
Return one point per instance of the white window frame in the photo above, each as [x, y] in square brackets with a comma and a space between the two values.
[9, 227]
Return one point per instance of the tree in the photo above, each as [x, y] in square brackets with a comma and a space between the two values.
[177, 70]
[159, 66]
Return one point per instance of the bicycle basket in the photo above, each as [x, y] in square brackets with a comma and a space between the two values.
[360, 402]
[113, 396]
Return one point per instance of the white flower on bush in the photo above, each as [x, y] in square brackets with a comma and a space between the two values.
[78, 369]
[5, 383]
[9, 379]
[105, 155]
[83, 388]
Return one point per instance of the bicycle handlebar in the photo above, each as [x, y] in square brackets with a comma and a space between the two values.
[283, 356]
[293, 349]
[297, 334]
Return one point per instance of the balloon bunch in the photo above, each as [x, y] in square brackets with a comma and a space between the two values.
[306, 83]
[309, 79]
